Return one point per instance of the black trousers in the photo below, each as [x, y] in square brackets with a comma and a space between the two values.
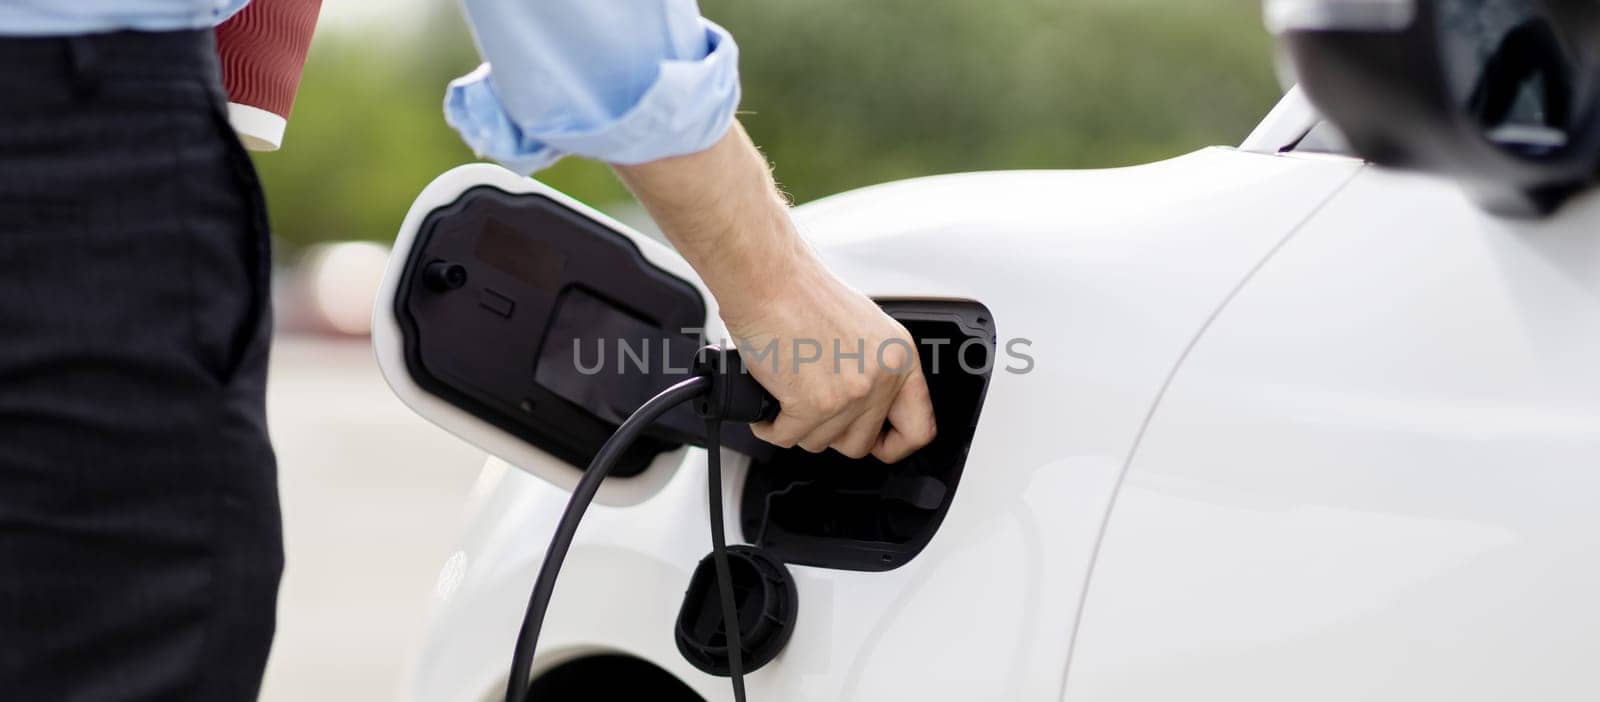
[140, 546]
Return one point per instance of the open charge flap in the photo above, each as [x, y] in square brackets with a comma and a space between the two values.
[531, 326]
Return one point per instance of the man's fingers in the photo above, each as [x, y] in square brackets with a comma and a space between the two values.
[912, 422]
[827, 433]
[785, 431]
[862, 437]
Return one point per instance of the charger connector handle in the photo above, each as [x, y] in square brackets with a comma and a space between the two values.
[734, 396]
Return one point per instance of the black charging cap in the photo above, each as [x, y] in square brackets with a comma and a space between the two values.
[765, 596]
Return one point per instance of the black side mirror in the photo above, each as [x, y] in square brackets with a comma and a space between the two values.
[1503, 95]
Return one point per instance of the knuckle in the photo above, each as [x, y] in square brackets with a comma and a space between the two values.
[829, 403]
[895, 356]
[854, 449]
[856, 387]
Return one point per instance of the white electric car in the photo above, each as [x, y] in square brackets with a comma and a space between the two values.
[1283, 422]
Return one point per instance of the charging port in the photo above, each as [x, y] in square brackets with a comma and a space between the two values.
[831, 511]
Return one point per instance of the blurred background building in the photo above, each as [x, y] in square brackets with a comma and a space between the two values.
[839, 94]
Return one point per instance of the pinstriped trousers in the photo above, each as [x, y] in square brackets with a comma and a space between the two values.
[140, 545]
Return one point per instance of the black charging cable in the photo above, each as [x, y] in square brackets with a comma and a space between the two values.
[722, 391]
[719, 557]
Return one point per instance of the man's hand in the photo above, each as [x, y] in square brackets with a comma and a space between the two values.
[839, 366]
[787, 312]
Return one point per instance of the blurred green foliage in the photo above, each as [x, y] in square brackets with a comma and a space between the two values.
[839, 93]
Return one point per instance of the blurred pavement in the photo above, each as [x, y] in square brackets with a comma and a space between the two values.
[372, 499]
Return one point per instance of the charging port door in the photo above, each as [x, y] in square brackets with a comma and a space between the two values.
[531, 325]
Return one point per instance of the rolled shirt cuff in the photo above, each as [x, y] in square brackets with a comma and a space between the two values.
[688, 108]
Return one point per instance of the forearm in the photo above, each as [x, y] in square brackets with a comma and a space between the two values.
[721, 209]
[723, 212]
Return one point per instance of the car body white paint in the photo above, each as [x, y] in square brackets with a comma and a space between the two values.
[1376, 474]
[1332, 422]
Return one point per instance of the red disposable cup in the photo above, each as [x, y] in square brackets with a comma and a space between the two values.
[263, 52]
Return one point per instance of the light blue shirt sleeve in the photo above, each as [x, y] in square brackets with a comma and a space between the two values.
[620, 81]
